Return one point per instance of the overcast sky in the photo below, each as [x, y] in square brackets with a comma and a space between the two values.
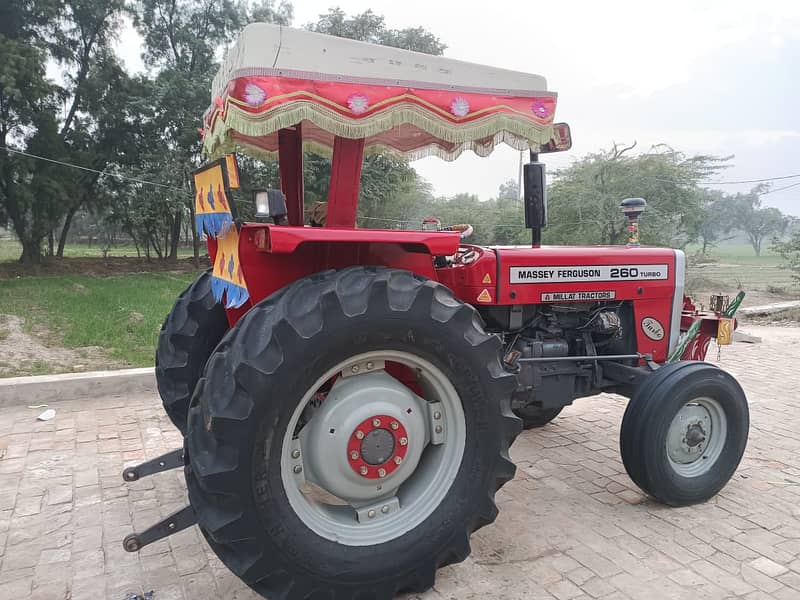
[719, 77]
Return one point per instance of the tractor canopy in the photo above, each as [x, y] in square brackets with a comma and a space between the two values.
[275, 78]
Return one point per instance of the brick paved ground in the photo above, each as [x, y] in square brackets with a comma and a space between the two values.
[571, 524]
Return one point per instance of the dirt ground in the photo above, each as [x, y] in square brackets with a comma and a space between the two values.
[29, 354]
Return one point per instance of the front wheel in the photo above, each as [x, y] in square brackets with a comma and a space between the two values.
[349, 435]
[684, 432]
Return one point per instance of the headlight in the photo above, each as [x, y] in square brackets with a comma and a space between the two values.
[261, 199]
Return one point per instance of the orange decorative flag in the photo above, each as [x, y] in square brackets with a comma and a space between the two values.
[227, 277]
[211, 203]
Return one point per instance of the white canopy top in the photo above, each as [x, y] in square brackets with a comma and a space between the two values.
[266, 46]
[416, 104]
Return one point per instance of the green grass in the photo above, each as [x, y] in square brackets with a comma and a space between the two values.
[120, 314]
[736, 266]
[10, 250]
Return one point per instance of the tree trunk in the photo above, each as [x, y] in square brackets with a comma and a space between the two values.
[31, 252]
[755, 242]
[175, 236]
[62, 239]
[195, 238]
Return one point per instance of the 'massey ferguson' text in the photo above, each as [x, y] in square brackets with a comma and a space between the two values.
[551, 274]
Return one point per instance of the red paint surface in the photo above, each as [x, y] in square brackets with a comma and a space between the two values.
[348, 157]
[290, 163]
[389, 466]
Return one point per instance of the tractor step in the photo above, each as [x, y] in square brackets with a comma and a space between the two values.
[177, 521]
[165, 462]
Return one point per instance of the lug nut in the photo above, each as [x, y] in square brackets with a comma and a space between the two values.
[437, 415]
[403, 441]
[354, 369]
[354, 455]
[295, 453]
[395, 425]
[438, 429]
[371, 514]
[363, 470]
[369, 366]
[359, 435]
[398, 460]
[385, 509]
[376, 422]
[381, 472]
[297, 469]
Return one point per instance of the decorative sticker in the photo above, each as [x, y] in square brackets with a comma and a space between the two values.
[653, 328]
[226, 276]
[212, 205]
[589, 296]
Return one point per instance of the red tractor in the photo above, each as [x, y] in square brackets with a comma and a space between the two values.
[348, 396]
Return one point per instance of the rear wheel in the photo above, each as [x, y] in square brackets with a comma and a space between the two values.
[191, 331]
[684, 432]
[348, 436]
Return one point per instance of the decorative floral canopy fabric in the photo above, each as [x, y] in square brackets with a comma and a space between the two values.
[419, 105]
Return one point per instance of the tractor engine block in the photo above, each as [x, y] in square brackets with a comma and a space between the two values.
[557, 331]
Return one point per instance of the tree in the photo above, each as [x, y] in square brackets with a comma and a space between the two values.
[391, 193]
[509, 190]
[584, 198]
[182, 40]
[27, 102]
[105, 136]
[714, 220]
[790, 253]
[37, 114]
[369, 27]
[757, 222]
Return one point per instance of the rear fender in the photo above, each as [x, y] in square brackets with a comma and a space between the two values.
[273, 256]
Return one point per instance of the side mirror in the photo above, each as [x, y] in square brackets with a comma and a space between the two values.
[270, 204]
[534, 195]
[561, 140]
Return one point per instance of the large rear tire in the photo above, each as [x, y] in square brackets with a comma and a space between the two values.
[684, 432]
[285, 472]
[191, 331]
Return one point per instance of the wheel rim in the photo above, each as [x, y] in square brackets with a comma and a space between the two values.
[372, 460]
[696, 437]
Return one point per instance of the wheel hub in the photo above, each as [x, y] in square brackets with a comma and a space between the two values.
[377, 446]
[696, 436]
[370, 416]
[366, 439]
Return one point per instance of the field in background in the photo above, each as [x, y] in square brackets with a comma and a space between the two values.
[729, 268]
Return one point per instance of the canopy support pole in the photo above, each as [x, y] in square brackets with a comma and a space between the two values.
[290, 163]
[348, 157]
